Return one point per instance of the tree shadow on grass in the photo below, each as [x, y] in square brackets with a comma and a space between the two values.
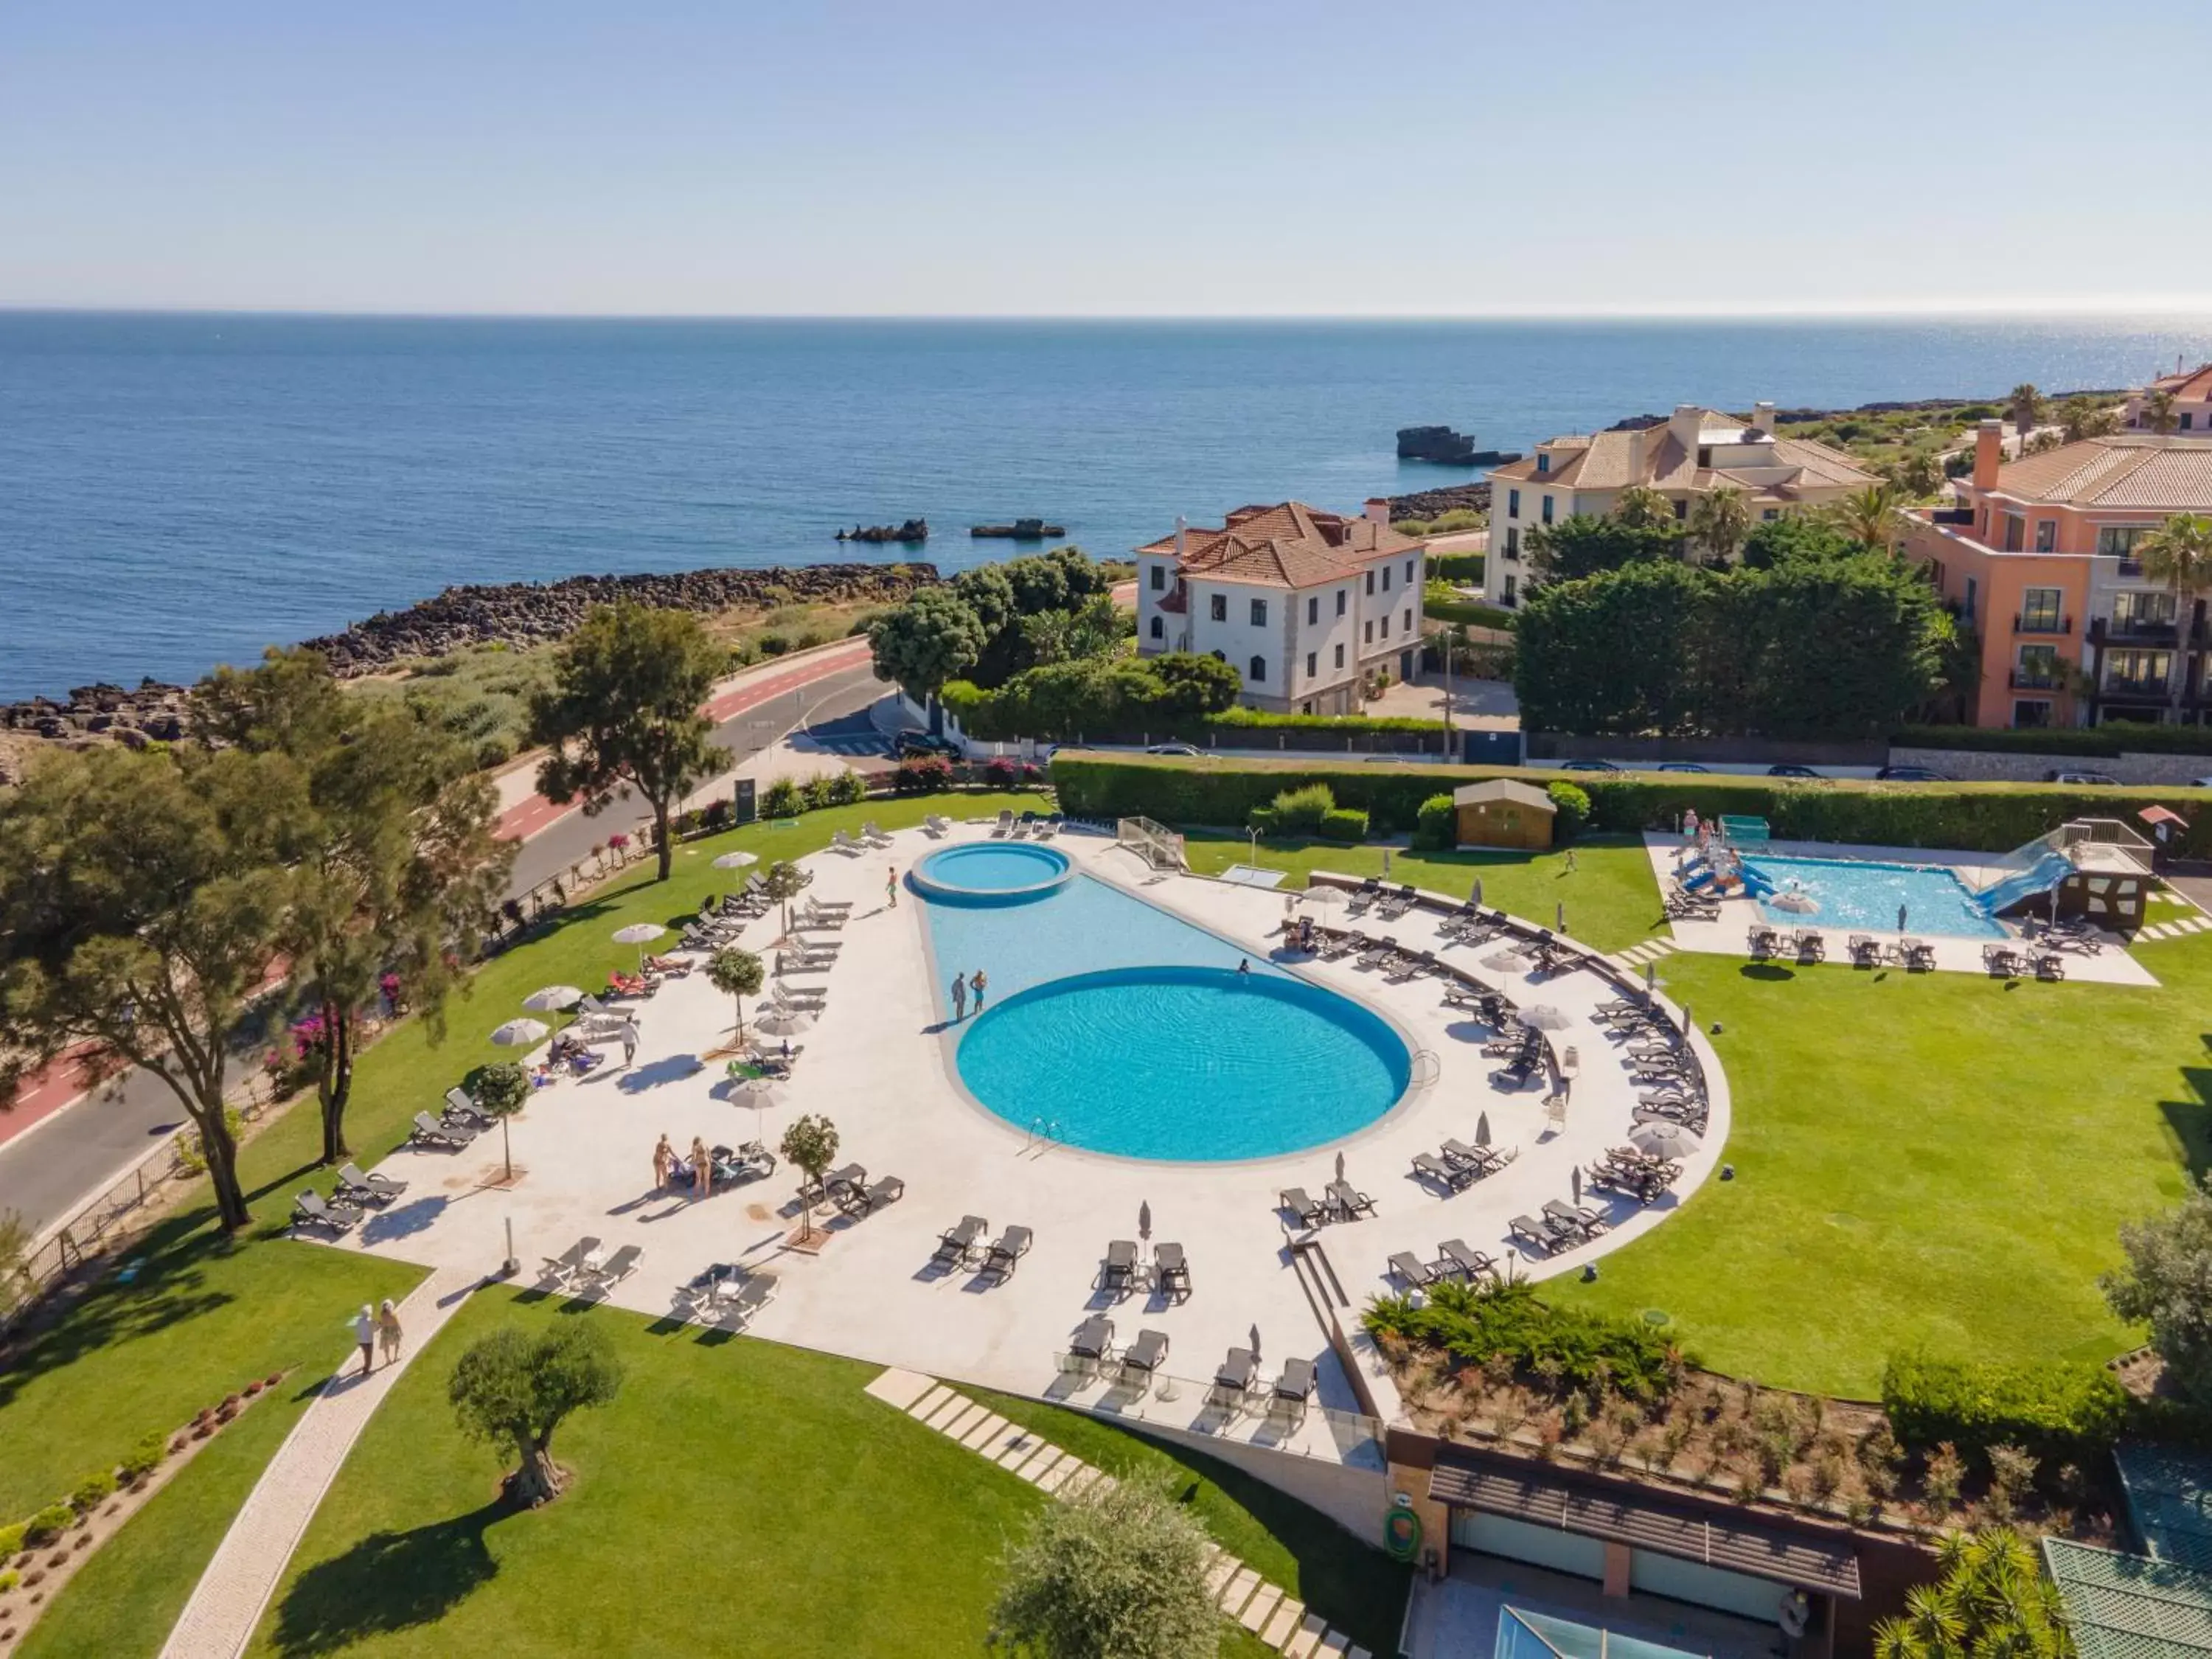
[2189, 1121]
[388, 1583]
[1767, 971]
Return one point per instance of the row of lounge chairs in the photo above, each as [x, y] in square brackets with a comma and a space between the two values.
[1768, 943]
[1456, 1259]
[724, 1294]
[460, 1123]
[1389, 905]
[1343, 1202]
[1634, 1174]
[848, 1190]
[1461, 1165]
[585, 1266]
[1041, 826]
[1689, 904]
[355, 1194]
[964, 1247]
[1238, 1383]
[1121, 1273]
[1561, 1226]
[2011, 962]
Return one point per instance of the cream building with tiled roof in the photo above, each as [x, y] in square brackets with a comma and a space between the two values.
[1697, 451]
[2191, 391]
[1309, 607]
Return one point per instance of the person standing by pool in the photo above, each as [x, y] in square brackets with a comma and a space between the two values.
[703, 1169]
[664, 1160]
[959, 998]
[977, 983]
[891, 888]
[1900, 918]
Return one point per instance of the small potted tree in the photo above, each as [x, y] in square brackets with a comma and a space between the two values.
[812, 1144]
[737, 975]
[500, 1091]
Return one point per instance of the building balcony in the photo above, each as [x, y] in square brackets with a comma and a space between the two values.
[2131, 570]
[1959, 515]
[2134, 630]
[2026, 625]
[2134, 691]
[2036, 679]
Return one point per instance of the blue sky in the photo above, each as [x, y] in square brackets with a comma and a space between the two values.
[1192, 159]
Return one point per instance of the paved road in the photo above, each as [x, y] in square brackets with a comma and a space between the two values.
[48, 1175]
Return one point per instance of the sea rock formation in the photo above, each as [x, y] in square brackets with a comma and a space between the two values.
[914, 529]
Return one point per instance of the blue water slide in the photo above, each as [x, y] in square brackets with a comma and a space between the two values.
[2039, 877]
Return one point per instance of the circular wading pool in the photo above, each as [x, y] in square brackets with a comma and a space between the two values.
[992, 872]
[1189, 1063]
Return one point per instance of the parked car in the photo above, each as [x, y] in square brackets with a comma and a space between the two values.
[915, 745]
[1588, 766]
[1188, 750]
[2200, 783]
[1682, 765]
[1788, 770]
[2057, 776]
[1914, 774]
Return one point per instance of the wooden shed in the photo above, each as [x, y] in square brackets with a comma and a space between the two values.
[1499, 812]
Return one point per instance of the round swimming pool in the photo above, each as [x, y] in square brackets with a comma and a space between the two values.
[992, 871]
[1196, 1065]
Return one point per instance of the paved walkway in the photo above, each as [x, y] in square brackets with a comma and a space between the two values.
[1278, 1620]
[228, 1602]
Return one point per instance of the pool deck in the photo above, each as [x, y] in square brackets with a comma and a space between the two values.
[2110, 964]
[876, 1065]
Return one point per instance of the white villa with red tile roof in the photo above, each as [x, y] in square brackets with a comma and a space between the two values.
[1309, 607]
[2191, 391]
[1697, 452]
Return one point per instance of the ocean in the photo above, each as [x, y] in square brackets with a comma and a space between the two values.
[180, 491]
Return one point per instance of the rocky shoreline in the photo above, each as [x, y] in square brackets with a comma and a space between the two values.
[518, 614]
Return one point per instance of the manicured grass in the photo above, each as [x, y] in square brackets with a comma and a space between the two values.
[1611, 899]
[1934, 1160]
[1360, 1591]
[739, 1495]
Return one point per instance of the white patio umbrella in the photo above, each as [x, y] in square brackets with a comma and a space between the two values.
[1662, 1138]
[519, 1034]
[1546, 1017]
[639, 934]
[1504, 961]
[1325, 898]
[553, 999]
[759, 1093]
[736, 861]
[784, 1022]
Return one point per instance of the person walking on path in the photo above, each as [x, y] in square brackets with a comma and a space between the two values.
[388, 1333]
[703, 1169]
[629, 1044]
[978, 984]
[959, 998]
[664, 1160]
[364, 1333]
[891, 888]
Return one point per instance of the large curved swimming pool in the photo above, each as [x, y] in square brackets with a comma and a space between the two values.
[1128, 1031]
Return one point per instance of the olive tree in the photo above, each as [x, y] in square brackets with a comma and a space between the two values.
[514, 1390]
[1115, 1573]
[2168, 1285]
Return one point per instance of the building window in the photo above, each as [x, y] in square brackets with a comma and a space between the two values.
[1548, 509]
[1216, 607]
[1513, 541]
[1343, 597]
[2046, 535]
[1543, 462]
[1371, 581]
[1770, 514]
[1159, 628]
[1508, 595]
[1259, 674]
[2040, 610]
[1386, 579]
[1386, 624]
[2015, 534]
[1368, 637]
[1259, 613]
[1704, 454]
[2137, 674]
[1313, 611]
[1340, 656]
[1159, 577]
[2038, 668]
[1313, 664]
[2132, 612]
[1682, 511]
[2119, 540]
[1409, 573]
[1512, 503]
[1407, 621]
[2188, 420]
[2032, 712]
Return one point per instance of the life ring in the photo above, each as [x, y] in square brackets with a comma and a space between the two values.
[1401, 1533]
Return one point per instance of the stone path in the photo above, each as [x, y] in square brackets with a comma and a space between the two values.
[226, 1605]
[2158, 930]
[1636, 955]
[1278, 1620]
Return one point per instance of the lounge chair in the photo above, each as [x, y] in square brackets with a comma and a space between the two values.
[429, 1131]
[2049, 965]
[873, 836]
[1294, 1390]
[1093, 1345]
[1119, 1272]
[1006, 822]
[1379, 953]
[879, 1194]
[1456, 1257]
[954, 1246]
[355, 1187]
[1576, 1217]
[1483, 1160]
[460, 1108]
[1009, 1248]
[1310, 1213]
[844, 1180]
[1171, 1271]
[1411, 1270]
[935, 827]
[1144, 1358]
[616, 1268]
[1236, 1380]
[1543, 1232]
[561, 1268]
[841, 842]
[1427, 1166]
[1865, 950]
[1364, 895]
[1399, 902]
[1053, 825]
[309, 1210]
[1350, 1202]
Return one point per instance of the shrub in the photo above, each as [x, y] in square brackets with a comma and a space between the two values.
[924, 776]
[784, 799]
[11, 1539]
[848, 789]
[2056, 1412]
[9, 1580]
[48, 1524]
[1567, 1348]
[92, 1491]
[773, 645]
[1002, 774]
[1437, 825]
[1348, 824]
[142, 1459]
[717, 814]
[1300, 811]
[1456, 567]
[1261, 818]
[1467, 613]
[1573, 802]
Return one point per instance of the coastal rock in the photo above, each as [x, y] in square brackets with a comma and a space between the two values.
[914, 529]
[1434, 503]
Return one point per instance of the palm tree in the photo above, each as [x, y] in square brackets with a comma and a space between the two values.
[1720, 521]
[1643, 508]
[1919, 472]
[1990, 1599]
[2084, 417]
[2026, 406]
[2158, 412]
[2179, 554]
[1872, 517]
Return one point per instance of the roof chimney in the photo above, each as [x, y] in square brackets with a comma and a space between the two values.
[1762, 418]
[1688, 421]
[1989, 453]
[1635, 448]
[1378, 509]
[1182, 524]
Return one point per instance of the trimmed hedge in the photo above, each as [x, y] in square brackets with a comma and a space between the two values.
[1457, 567]
[1990, 818]
[2060, 1414]
[1436, 824]
[1467, 613]
[1346, 824]
[1572, 803]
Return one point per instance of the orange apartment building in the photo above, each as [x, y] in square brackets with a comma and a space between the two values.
[2036, 555]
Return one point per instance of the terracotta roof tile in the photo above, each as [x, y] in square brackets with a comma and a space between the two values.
[1286, 545]
[2126, 469]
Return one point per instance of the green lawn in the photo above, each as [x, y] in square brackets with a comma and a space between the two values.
[199, 1316]
[1936, 1160]
[740, 1496]
[1611, 899]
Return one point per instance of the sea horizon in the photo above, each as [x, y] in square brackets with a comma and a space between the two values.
[185, 487]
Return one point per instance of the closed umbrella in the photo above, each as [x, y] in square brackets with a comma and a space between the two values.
[1255, 1344]
[1144, 1219]
[519, 1034]
[1476, 895]
[1577, 1184]
[1559, 921]
[1339, 1166]
[639, 934]
[1651, 975]
[736, 861]
[1482, 1130]
[1546, 1017]
[1663, 1138]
